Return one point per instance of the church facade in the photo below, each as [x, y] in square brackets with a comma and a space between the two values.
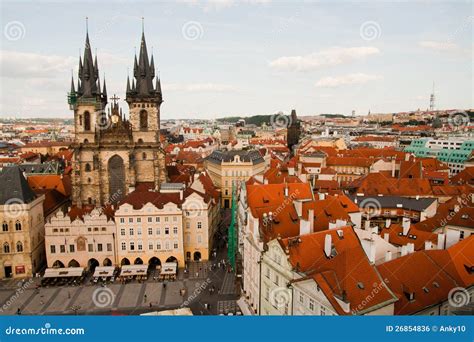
[113, 154]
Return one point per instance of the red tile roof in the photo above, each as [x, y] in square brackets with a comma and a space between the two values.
[347, 275]
[429, 276]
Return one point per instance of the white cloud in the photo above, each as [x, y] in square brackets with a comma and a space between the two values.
[31, 65]
[199, 87]
[438, 46]
[351, 79]
[329, 57]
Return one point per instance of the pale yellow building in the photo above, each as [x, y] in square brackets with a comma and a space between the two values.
[228, 168]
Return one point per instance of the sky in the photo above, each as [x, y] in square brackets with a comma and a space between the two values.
[238, 58]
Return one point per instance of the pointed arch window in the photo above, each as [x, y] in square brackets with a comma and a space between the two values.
[144, 156]
[87, 121]
[143, 120]
[18, 225]
[5, 227]
[6, 248]
[88, 167]
[19, 247]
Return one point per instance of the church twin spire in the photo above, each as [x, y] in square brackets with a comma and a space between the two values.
[145, 84]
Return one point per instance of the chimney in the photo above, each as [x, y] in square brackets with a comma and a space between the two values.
[406, 225]
[305, 227]
[410, 247]
[367, 224]
[393, 168]
[322, 196]
[386, 237]
[286, 190]
[388, 256]
[298, 207]
[441, 240]
[180, 195]
[265, 181]
[311, 219]
[388, 222]
[404, 250]
[369, 248]
[327, 245]
[428, 245]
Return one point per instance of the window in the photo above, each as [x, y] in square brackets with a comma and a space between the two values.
[52, 248]
[323, 311]
[122, 220]
[5, 227]
[167, 231]
[139, 220]
[87, 121]
[267, 293]
[140, 246]
[267, 272]
[157, 219]
[62, 248]
[175, 230]
[150, 231]
[150, 245]
[71, 249]
[88, 167]
[175, 245]
[150, 220]
[143, 120]
[124, 246]
[167, 245]
[99, 247]
[157, 231]
[311, 304]
[158, 245]
[90, 247]
[301, 298]
[199, 224]
[188, 225]
[17, 225]
[139, 231]
[199, 238]
[277, 279]
[109, 247]
[130, 220]
[122, 231]
[6, 248]
[132, 246]
[131, 231]
[166, 219]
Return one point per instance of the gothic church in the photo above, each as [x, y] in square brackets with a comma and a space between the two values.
[112, 154]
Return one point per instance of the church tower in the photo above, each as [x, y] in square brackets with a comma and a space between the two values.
[114, 155]
[144, 99]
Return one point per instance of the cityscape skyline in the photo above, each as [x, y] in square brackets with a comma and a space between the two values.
[289, 61]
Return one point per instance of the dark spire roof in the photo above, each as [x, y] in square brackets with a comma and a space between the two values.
[104, 90]
[72, 85]
[158, 85]
[88, 72]
[15, 188]
[143, 75]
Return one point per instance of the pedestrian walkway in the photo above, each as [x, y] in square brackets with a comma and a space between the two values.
[225, 307]
[198, 269]
[228, 286]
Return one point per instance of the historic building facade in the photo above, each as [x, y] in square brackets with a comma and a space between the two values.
[21, 236]
[112, 154]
